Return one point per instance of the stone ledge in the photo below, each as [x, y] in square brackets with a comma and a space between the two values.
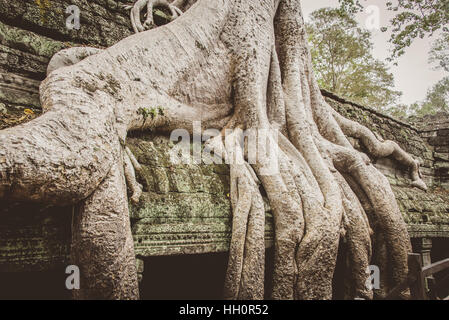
[428, 231]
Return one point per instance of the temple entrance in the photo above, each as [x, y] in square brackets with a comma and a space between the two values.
[43, 285]
[189, 277]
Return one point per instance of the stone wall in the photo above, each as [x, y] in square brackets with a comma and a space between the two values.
[32, 31]
[435, 128]
[185, 209]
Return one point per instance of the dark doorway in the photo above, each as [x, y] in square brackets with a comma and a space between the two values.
[197, 277]
[45, 285]
[440, 251]
[190, 277]
[193, 277]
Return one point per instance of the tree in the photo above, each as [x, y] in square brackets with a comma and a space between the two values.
[437, 100]
[414, 19]
[343, 61]
[235, 66]
[438, 96]
[417, 19]
[439, 53]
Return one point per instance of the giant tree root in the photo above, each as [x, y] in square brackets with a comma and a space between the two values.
[102, 243]
[233, 65]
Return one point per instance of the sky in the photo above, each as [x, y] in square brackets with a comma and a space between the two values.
[413, 74]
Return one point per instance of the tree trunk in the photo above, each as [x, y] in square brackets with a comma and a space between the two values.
[102, 243]
[233, 65]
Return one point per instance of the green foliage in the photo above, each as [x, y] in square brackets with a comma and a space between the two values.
[413, 19]
[399, 111]
[350, 6]
[343, 62]
[439, 54]
[152, 112]
[437, 100]
[416, 19]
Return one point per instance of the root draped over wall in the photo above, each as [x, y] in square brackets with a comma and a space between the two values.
[235, 66]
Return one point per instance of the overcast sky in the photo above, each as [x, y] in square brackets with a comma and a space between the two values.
[413, 75]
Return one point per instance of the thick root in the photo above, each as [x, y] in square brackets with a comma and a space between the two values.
[140, 5]
[381, 149]
[386, 212]
[287, 207]
[246, 265]
[357, 237]
[69, 57]
[130, 167]
[253, 274]
[102, 243]
[245, 273]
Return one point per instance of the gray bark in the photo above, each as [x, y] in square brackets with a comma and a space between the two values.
[231, 64]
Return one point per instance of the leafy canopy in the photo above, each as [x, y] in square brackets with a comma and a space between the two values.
[413, 19]
[343, 62]
[418, 19]
[439, 54]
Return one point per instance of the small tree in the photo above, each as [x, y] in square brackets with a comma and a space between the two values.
[437, 100]
[343, 62]
[439, 53]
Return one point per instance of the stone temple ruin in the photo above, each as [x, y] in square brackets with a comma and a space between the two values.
[181, 226]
